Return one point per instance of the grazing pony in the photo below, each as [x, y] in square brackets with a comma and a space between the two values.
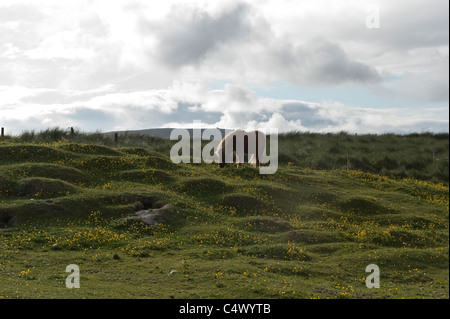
[240, 142]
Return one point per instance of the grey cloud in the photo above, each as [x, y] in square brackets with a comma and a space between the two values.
[19, 12]
[32, 73]
[269, 56]
[404, 25]
[425, 87]
[408, 25]
[309, 116]
[6, 77]
[92, 25]
[46, 97]
[183, 113]
[140, 117]
[17, 25]
[90, 118]
[188, 35]
[322, 61]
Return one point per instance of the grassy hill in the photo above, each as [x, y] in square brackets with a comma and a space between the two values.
[423, 156]
[305, 232]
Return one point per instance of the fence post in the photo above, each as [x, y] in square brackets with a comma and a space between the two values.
[72, 132]
[3, 132]
[116, 137]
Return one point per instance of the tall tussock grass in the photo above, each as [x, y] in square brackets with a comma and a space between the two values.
[419, 155]
[57, 134]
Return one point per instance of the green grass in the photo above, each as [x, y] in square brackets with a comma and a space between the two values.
[423, 156]
[304, 232]
[420, 155]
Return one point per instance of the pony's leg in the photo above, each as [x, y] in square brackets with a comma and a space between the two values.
[260, 155]
[257, 161]
[253, 160]
[238, 161]
[222, 162]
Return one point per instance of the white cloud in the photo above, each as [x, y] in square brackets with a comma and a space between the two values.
[146, 64]
[245, 109]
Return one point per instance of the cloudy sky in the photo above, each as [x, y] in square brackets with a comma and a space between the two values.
[322, 66]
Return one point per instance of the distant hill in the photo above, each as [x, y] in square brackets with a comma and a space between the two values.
[159, 132]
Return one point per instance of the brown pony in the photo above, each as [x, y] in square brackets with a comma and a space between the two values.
[240, 142]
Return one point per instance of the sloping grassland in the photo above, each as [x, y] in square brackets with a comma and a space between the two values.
[218, 233]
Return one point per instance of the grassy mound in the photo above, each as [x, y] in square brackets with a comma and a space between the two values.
[8, 185]
[363, 207]
[44, 188]
[202, 187]
[33, 154]
[146, 176]
[266, 224]
[89, 149]
[278, 251]
[244, 204]
[308, 236]
[68, 174]
[6, 219]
